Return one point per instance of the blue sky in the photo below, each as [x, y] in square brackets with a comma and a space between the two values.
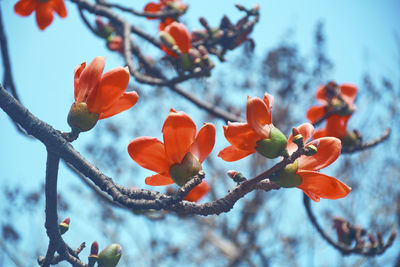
[43, 61]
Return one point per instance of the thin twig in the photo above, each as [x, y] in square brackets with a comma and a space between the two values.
[385, 135]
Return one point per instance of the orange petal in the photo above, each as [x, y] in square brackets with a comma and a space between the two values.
[198, 192]
[232, 153]
[348, 93]
[59, 7]
[336, 125]
[268, 100]
[152, 8]
[317, 185]
[319, 133]
[89, 80]
[258, 116]
[149, 153]
[112, 86]
[241, 135]
[179, 133]
[328, 151]
[165, 23]
[77, 74]
[204, 142]
[44, 15]
[126, 101]
[315, 113]
[181, 36]
[25, 7]
[320, 95]
[158, 179]
[306, 130]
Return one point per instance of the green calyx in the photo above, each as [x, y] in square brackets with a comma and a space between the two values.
[287, 177]
[186, 62]
[109, 256]
[167, 39]
[274, 146]
[80, 119]
[189, 167]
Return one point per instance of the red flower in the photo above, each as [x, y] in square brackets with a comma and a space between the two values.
[336, 126]
[158, 7]
[98, 96]
[333, 96]
[303, 173]
[176, 35]
[198, 192]
[181, 154]
[44, 10]
[247, 138]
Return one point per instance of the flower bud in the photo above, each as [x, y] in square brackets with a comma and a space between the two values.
[94, 250]
[287, 177]
[311, 150]
[188, 168]
[186, 62]
[274, 146]
[80, 119]
[64, 226]
[236, 176]
[109, 256]
[298, 140]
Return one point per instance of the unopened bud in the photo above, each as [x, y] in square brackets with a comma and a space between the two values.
[311, 150]
[94, 250]
[109, 256]
[204, 22]
[298, 140]
[64, 226]
[167, 39]
[236, 176]
[189, 167]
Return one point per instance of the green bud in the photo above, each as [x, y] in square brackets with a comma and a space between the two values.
[274, 146]
[109, 256]
[64, 226]
[352, 138]
[80, 119]
[298, 140]
[186, 62]
[287, 177]
[188, 168]
[311, 150]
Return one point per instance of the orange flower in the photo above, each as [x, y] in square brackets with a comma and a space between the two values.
[181, 154]
[176, 36]
[198, 192]
[303, 173]
[247, 138]
[336, 126]
[44, 10]
[99, 96]
[333, 96]
[158, 7]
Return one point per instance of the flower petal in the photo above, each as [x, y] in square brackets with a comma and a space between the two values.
[59, 7]
[77, 74]
[89, 80]
[306, 130]
[319, 133]
[149, 153]
[348, 93]
[241, 135]
[315, 113]
[204, 142]
[158, 179]
[126, 101]
[111, 87]
[179, 132]
[25, 7]
[231, 153]
[336, 125]
[152, 8]
[317, 185]
[328, 151]
[44, 15]
[268, 100]
[198, 192]
[258, 116]
[181, 36]
[320, 94]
